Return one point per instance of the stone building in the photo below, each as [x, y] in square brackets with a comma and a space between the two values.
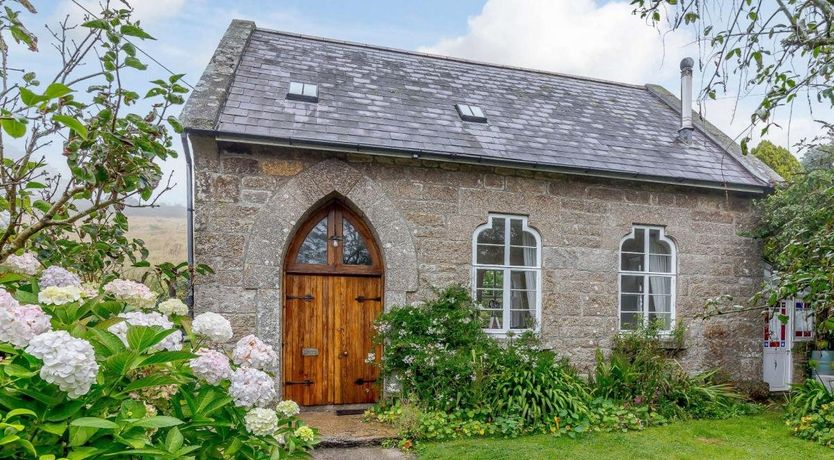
[335, 179]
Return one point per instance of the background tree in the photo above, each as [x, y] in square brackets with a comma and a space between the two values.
[778, 158]
[819, 157]
[784, 48]
[113, 150]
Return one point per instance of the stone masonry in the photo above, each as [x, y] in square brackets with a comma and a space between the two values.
[250, 199]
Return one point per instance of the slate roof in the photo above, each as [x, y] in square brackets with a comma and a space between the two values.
[384, 100]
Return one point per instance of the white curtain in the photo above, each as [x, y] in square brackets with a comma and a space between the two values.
[519, 318]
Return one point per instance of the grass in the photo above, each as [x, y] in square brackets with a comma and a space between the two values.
[753, 437]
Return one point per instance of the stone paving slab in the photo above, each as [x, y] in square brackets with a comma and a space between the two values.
[360, 453]
[347, 430]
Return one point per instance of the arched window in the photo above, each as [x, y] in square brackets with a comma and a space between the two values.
[647, 279]
[335, 240]
[506, 274]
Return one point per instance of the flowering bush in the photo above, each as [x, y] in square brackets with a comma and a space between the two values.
[85, 372]
[810, 412]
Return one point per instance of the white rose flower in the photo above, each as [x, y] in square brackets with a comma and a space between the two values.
[211, 366]
[26, 264]
[212, 326]
[288, 408]
[261, 422]
[173, 306]
[59, 295]
[251, 388]
[68, 362]
[137, 318]
[250, 351]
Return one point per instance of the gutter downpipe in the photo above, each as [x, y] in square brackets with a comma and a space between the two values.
[189, 225]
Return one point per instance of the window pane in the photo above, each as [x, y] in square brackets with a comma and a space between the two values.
[311, 90]
[490, 298]
[523, 280]
[523, 257]
[492, 279]
[660, 303]
[631, 302]
[630, 321]
[522, 319]
[663, 320]
[656, 245]
[494, 234]
[631, 283]
[660, 264]
[296, 88]
[632, 262]
[476, 111]
[637, 243]
[492, 255]
[355, 249]
[660, 285]
[491, 319]
[518, 237]
[314, 248]
[523, 300]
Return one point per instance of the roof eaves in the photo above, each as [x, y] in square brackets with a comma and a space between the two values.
[316, 144]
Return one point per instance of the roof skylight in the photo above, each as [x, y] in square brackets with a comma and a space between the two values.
[471, 113]
[306, 92]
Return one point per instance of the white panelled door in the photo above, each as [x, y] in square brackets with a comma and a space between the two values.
[777, 348]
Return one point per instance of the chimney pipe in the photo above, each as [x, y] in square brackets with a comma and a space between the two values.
[685, 131]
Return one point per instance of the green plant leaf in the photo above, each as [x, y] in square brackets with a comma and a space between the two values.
[72, 124]
[162, 357]
[174, 440]
[140, 338]
[78, 435]
[14, 127]
[94, 422]
[149, 381]
[56, 90]
[18, 412]
[131, 61]
[135, 31]
[159, 421]
[54, 428]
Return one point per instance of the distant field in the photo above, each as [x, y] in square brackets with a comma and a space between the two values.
[164, 237]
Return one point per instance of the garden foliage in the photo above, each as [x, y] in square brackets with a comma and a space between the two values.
[90, 371]
[456, 381]
[810, 412]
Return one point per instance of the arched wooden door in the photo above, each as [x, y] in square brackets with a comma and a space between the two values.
[332, 295]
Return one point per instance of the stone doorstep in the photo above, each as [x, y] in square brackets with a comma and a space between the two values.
[346, 430]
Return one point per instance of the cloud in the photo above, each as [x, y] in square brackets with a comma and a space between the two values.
[570, 36]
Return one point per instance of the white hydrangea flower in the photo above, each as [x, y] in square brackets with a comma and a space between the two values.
[59, 295]
[211, 366]
[250, 351]
[89, 290]
[135, 294]
[137, 318]
[305, 433]
[68, 362]
[261, 422]
[173, 306]
[26, 264]
[251, 388]
[288, 408]
[6, 299]
[19, 323]
[58, 276]
[212, 326]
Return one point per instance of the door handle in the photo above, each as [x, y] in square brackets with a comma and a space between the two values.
[343, 354]
[362, 298]
[305, 297]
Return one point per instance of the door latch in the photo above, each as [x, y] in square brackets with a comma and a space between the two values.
[361, 381]
[362, 298]
[305, 297]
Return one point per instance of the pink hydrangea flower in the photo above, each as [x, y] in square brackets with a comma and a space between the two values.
[250, 351]
[20, 323]
[211, 366]
[26, 264]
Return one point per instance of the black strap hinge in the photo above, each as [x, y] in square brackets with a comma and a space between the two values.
[299, 382]
[306, 297]
[362, 298]
[361, 381]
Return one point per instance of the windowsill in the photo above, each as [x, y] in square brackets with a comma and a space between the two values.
[508, 334]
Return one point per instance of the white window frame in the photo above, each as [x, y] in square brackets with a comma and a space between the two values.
[646, 274]
[507, 269]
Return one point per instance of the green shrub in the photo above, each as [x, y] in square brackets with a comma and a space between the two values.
[810, 412]
[639, 372]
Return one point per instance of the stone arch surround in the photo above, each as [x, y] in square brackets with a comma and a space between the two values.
[278, 218]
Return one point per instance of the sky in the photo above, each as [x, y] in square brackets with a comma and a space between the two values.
[583, 37]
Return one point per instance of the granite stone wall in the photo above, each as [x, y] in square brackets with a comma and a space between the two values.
[250, 199]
